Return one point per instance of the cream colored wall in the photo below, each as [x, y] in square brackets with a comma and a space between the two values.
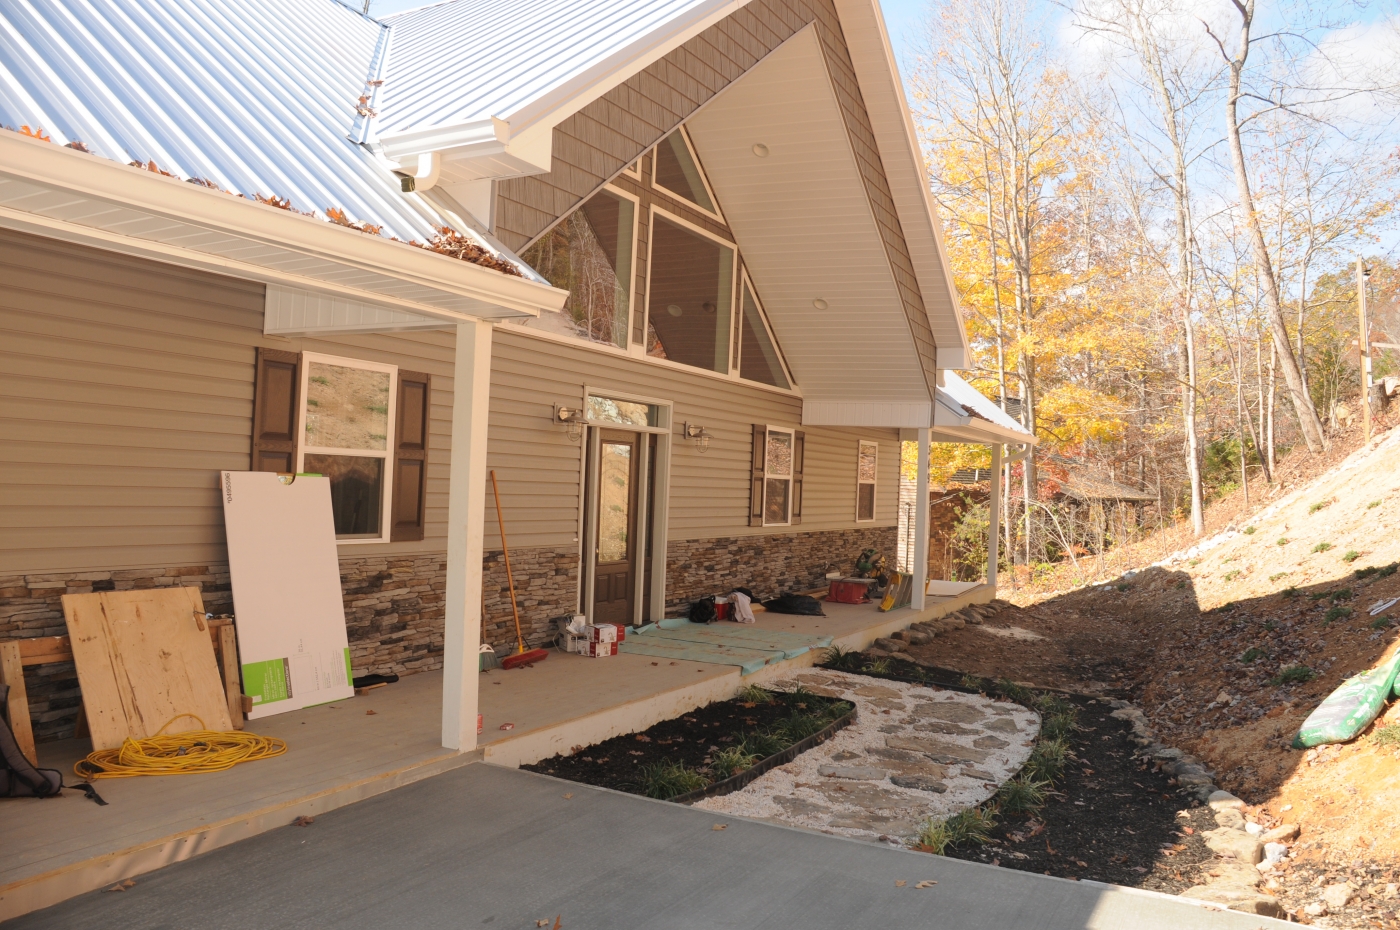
[127, 385]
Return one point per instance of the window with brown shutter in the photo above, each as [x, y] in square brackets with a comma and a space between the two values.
[760, 445]
[411, 456]
[276, 386]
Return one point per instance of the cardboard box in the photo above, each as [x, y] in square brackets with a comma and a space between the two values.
[599, 650]
[602, 633]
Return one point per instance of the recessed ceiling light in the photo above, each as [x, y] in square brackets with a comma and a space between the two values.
[674, 310]
[820, 304]
[760, 150]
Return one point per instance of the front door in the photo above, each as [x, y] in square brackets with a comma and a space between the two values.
[616, 483]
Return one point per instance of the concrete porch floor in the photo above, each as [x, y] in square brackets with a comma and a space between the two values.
[339, 754]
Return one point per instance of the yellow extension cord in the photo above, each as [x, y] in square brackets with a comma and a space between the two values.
[190, 753]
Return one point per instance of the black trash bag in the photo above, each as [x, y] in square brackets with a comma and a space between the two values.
[364, 681]
[801, 604]
[19, 779]
[703, 610]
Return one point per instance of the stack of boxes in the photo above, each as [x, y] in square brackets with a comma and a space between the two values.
[594, 640]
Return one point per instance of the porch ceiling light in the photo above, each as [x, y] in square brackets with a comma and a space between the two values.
[820, 304]
[760, 150]
[571, 417]
[698, 434]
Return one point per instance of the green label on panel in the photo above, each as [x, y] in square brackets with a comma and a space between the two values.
[268, 681]
[348, 678]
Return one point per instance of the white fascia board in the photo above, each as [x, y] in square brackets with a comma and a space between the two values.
[88, 177]
[521, 142]
[876, 57]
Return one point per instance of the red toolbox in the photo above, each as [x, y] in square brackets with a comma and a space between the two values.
[849, 591]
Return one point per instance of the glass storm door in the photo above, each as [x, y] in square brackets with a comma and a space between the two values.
[617, 480]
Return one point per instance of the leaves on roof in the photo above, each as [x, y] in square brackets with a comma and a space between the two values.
[338, 217]
[452, 243]
[152, 167]
[78, 146]
[364, 109]
[282, 203]
[35, 134]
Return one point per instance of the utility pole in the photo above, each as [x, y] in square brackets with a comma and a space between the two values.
[1363, 344]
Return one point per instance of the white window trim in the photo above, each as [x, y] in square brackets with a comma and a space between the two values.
[632, 309]
[792, 439]
[640, 349]
[704, 179]
[874, 482]
[636, 172]
[767, 328]
[387, 490]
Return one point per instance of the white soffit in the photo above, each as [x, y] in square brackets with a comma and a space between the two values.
[880, 85]
[289, 311]
[805, 227]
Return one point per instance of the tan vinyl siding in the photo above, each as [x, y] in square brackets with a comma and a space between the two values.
[592, 146]
[539, 468]
[127, 385]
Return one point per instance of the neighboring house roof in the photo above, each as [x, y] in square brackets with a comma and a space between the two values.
[1085, 486]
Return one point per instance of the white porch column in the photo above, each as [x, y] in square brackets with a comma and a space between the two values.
[994, 523]
[921, 528]
[466, 511]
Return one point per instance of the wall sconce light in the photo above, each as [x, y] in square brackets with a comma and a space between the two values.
[571, 417]
[698, 433]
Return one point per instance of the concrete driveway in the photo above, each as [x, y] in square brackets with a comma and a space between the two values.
[484, 846]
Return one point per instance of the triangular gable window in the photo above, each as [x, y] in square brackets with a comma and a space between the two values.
[678, 172]
[758, 352]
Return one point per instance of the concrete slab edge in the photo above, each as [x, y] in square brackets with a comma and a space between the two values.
[49, 888]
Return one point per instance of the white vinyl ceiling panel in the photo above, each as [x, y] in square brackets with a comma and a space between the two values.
[806, 230]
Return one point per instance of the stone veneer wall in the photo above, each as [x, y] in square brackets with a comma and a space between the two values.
[546, 587]
[767, 565]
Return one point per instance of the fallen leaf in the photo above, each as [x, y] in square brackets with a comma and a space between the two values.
[656, 663]
[643, 738]
[371, 713]
[926, 883]
[567, 796]
[1048, 848]
[900, 883]
[1037, 828]
[542, 923]
[558, 922]
[720, 826]
[117, 887]
[303, 821]
[1130, 830]
[1081, 864]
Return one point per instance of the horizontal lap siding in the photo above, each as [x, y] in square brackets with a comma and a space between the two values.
[539, 468]
[126, 386]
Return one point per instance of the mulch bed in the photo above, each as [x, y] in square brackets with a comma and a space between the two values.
[688, 739]
[1113, 817]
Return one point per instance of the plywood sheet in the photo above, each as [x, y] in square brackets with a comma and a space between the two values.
[144, 659]
[286, 591]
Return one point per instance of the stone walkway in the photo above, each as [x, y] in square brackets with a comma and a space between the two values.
[913, 753]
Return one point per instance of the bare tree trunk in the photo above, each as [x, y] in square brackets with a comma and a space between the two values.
[1292, 375]
[1273, 360]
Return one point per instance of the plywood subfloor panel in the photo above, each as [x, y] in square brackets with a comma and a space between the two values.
[145, 662]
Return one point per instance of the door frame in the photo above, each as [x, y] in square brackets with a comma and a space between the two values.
[652, 523]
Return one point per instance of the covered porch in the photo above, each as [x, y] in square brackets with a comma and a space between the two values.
[384, 739]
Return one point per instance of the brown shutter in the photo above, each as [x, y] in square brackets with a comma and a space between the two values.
[799, 447]
[275, 392]
[410, 457]
[760, 447]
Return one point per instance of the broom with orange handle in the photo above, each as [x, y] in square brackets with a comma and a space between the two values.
[522, 656]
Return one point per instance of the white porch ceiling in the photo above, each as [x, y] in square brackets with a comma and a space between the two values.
[804, 224]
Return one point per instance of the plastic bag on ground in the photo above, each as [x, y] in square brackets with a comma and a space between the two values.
[1350, 709]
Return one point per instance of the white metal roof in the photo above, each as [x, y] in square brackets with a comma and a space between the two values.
[965, 414]
[258, 96]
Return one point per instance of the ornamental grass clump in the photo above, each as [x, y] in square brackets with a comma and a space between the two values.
[665, 779]
[1022, 795]
[732, 760]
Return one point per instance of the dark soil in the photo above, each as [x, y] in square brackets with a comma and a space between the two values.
[1113, 817]
[688, 739]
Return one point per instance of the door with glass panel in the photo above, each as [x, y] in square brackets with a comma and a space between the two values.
[617, 479]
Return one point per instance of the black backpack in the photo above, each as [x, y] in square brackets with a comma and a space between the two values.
[703, 610]
[19, 779]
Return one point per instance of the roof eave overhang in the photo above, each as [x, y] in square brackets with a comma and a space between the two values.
[53, 191]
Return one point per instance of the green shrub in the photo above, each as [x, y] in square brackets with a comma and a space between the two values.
[1322, 546]
[1336, 613]
[1047, 760]
[731, 760]
[1252, 653]
[1232, 575]
[1373, 505]
[1386, 735]
[878, 667]
[935, 836]
[1014, 692]
[1294, 674]
[1342, 594]
[836, 657]
[1050, 704]
[762, 743]
[1316, 596]
[1388, 570]
[1270, 625]
[666, 779]
[1318, 506]
[753, 694]
[1380, 623]
[798, 727]
[799, 698]
[1283, 540]
[1366, 572]
[1289, 592]
[1278, 576]
[1250, 531]
[972, 682]
[974, 825]
[1022, 795]
[1350, 556]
